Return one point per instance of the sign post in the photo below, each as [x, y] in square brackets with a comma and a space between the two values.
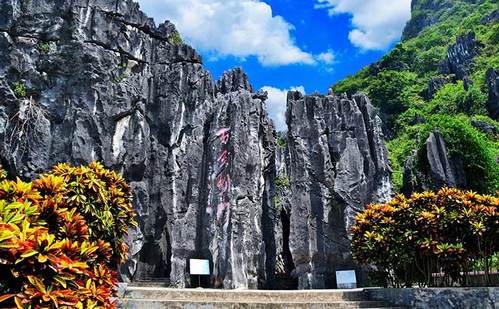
[345, 279]
[200, 268]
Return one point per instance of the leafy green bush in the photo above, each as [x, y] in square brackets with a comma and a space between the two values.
[493, 263]
[62, 238]
[19, 89]
[475, 149]
[281, 182]
[353, 83]
[175, 38]
[104, 200]
[410, 239]
[44, 47]
[400, 149]
[281, 142]
[393, 91]
[477, 152]
[454, 99]
[493, 137]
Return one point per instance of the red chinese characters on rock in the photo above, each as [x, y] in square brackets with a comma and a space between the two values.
[223, 158]
[223, 183]
[224, 135]
[219, 206]
[219, 182]
[220, 210]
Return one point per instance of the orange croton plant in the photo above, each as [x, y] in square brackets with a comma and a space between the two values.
[62, 237]
[412, 239]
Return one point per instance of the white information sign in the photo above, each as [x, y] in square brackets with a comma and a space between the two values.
[199, 267]
[345, 279]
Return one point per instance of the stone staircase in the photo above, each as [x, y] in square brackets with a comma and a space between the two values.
[137, 297]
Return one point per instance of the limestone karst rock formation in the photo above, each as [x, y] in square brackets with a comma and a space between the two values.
[92, 80]
[443, 169]
[493, 101]
[338, 165]
[460, 57]
[103, 83]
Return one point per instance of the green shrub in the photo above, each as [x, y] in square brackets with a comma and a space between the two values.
[454, 99]
[175, 38]
[120, 73]
[20, 90]
[282, 182]
[281, 142]
[409, 239]
[398, 58]
[393, 91]
[400, 149]
[104, 200]
[493, 263]
[44, 47]
[477, 152]
[494, 138]
[352, 84]
[62, 238]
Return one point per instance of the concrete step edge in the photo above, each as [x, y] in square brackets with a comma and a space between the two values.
[245, 299]
[258, 292]
[255, 293]
[364, 302]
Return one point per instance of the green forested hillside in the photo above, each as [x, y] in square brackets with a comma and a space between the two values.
[423, 84]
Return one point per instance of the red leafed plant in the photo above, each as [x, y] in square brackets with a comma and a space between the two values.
[62, 237]
[411, 240]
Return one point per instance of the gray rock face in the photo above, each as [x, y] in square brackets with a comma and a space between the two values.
[103, 83]
[489, 18]
[485, 127]
[426, 16]
[493, 101]
[460, 55]
[412, 176]
[440, 170]
[338, 164]
[443, 171]
[434, 84]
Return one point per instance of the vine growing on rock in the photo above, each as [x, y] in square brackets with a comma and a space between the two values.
[25, 125]
[62, 237]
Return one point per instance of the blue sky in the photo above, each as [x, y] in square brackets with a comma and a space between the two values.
[286, 44]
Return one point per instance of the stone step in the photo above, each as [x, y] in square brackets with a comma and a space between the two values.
[157, 282]
[160, 304]
[242, 296]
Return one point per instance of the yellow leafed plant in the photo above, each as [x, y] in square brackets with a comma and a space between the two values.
[62, 237]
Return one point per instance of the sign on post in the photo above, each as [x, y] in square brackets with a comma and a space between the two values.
[199, 267]
[345, 279]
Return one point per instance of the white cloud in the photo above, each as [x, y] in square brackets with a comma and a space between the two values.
[327, 57]
[276, 104]
[239, 28]
[377, 23]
